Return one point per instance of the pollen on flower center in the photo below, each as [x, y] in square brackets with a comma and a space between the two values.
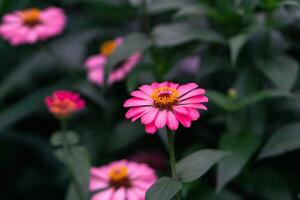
[165, 97]
[108, 47]
[118, 176]
[31, 16]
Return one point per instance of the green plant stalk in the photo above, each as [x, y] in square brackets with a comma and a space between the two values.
[67, 148]
[171, 140]
[145, 16]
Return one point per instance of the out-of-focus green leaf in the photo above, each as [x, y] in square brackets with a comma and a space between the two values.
[241, 147]
[93, 94]
[58, 138]
[156, 7]
[70, 50]
[77, 160]
[164, 188]
[197, 164]
[281, 70]
[28, 105]
[228, 104]
[284, 139]
[169, 35]
[124, 134]
[267, 184]
[191, 10]
[134, 42]
[236, 43]
[72, 193]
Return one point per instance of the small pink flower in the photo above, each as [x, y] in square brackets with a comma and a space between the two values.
[166, 104]
[96, 63]
[31, 25]
[63, 104]
[121, 180]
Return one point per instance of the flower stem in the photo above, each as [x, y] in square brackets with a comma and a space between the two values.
[171, 140]
[67, 149]
[145, 17]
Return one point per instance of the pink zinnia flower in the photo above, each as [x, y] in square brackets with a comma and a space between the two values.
[63, 104]
[95, 64]
[167, 103]
[121, 180]
[31, 25]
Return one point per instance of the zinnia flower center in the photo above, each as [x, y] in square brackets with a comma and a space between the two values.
[165, 97]
[107, 48]
[31, 16]
[118, 176]
[63, 108]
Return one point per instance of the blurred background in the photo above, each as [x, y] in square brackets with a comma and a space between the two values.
[244, 52]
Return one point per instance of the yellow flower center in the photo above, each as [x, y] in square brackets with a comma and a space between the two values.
[165, 97]
[118, 176]
[63, 108]
[108, 47]
[31, 16]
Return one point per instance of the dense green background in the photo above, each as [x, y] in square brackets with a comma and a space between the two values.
[249, 52]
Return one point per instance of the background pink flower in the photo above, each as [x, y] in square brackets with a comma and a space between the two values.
[166, 104]
[121, 180]
[31, 25]
[96, 63]
[64, 103]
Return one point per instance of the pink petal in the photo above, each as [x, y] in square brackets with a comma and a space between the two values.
[186, 88]
[132, 195]
[149, 117]
[161, 119]
[147, 89]
[135, 111]
[172, 121]
[199, 106]
[96, 183]
[120, 194]
[132, 102]
[104, 195]
[185, 120]
[195, 92]
[181, 109]
[194, 100]
[141, 95]
[194, 113]
[150, 128]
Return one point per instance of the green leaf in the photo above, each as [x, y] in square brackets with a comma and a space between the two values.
[281, 70]
[69, 49]
[58, 138]
[134, 42]
[124, 134]
[236, 43]
[268, 184]
[178, 33]
[156, 7]
[28, 105]
[283, 140]
[72, 193]
[164, 188]
[241, 147]
[220, 99]
[197, 164]
[77, 160]
[93, 93]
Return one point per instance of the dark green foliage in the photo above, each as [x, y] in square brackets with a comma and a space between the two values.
[249, 54]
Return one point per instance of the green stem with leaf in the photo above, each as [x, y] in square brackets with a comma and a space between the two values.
[171, 141]
[67, 148]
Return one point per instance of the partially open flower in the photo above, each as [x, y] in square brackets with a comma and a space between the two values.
[95, 64]
[121, 180]
[63, 104]
[167, 103]
[31, 25]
